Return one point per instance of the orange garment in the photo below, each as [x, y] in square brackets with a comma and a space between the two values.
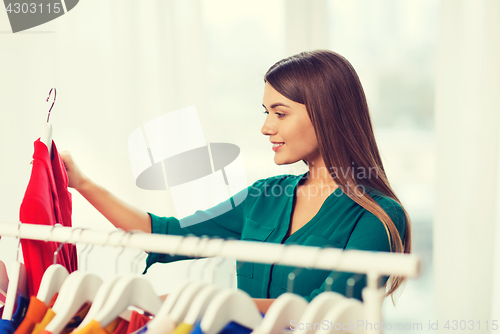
[40, 327]
[94, 327]
[34, 314]
[72, 324]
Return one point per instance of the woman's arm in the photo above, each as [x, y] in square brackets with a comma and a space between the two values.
[119, 213]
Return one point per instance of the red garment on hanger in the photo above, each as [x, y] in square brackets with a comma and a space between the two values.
[46, 201]
[137, 320]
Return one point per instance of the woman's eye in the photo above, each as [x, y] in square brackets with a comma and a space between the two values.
[277, 113]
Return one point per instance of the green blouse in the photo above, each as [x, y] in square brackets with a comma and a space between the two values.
[262, 213]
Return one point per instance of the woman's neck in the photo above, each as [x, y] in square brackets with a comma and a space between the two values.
[319, 175]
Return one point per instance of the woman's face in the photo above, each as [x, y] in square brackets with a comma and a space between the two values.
[287, 122]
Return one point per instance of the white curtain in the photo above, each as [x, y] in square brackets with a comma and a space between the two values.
[466, 258]
[116, 65]
[306, 25]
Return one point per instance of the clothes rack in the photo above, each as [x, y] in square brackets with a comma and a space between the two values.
[373, 264]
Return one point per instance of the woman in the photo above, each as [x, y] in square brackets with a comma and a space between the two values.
[316, 112]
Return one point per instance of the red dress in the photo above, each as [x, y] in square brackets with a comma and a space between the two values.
[46, 201]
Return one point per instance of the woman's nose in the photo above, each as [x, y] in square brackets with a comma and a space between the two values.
[268, 129]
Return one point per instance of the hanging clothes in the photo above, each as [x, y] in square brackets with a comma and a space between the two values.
[9, 326]
[183, 328]
[35, 314]
[137, 321]
[47, 201]
[94, 327]
[230, 328]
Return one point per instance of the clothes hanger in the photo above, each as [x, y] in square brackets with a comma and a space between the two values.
[4, 283]
[179, 310]
[100, 299]
[46, 137]
[105, 289]
[53, 277]
[230, 305]
[177, 303]
[200, 304]
[202, 300]
[319, 306]
[284, 309]
[348, 311]
[79, 288]
[52, 281]
[130, 290]
[17, 284]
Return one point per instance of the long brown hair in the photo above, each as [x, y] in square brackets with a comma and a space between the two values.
[327, 84]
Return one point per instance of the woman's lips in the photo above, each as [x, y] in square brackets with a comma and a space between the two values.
[276, 148]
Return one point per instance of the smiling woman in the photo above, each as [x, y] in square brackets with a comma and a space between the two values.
[288, 124]
[316, 112]
[323, 92]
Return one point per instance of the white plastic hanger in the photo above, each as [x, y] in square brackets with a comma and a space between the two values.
[46, 137]
[54, 276]
[348, 311]
[172, 298]
[203, 298]
[130, 290]
[230, 305]
[169, 302]
[17, 286]
[200, 303]
[104, 291]
[79, 288]
[100, 299]
[175, 312]
[183, 304]
[4, 283]
[317, 308]
[52, 281]
[284, 309]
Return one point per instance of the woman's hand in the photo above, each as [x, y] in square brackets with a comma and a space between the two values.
[76, 178]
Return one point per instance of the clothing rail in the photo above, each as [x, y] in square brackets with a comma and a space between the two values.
[373, 264]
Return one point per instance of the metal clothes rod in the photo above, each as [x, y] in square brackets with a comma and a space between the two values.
[364, 262]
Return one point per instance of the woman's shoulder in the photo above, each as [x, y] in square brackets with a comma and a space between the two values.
[391, 207]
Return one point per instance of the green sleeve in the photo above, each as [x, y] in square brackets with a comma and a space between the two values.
[224, 220]
[369, 234]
